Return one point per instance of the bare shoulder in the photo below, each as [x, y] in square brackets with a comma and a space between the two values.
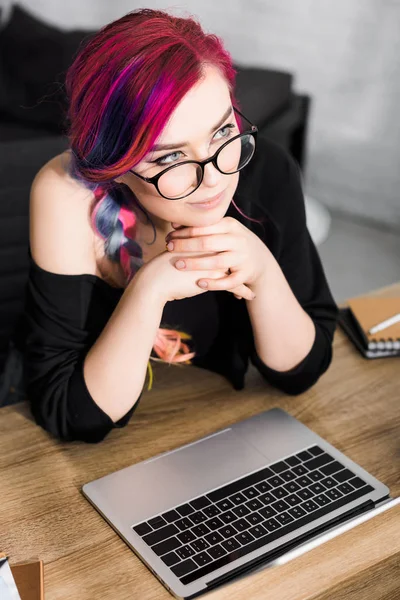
[61, 237]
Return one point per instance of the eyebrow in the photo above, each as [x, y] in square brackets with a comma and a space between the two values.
[158, 147]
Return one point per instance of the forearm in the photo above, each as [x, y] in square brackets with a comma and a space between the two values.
[283, 332]
[115, 366]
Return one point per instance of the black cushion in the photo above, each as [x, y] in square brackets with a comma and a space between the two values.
[34, 58]
[262, 93]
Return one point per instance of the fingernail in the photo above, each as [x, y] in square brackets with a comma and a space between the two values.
[170, 245]
[180, 264]
[203, 284]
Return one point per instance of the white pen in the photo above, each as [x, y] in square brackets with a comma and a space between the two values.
[384, 324]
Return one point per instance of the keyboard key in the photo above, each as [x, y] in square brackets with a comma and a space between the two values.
[304, 481]
[244, 538]
[213, 538]
[242, 525]
[258, 531]
[300, 470]
[185, 552]
[305, 494]
[254, 504]
[317, 488]
[288, 475]
[199, 545]
[345, 488]
[167, 546]
[230, 544]
[202, 559]
[334, 494]
[320, 460]
[284, 518]
[183, 523]
[309, 505]
[276, 480]
[171, 516]
[241, 511]
[214, 523]
[198, 517]
[292, 461]
[297, 512]
[315, 450]
[187, 536]
[251, 493]
[184, 510]
[357, 482]
[322, 499]
[328, 482]
[225, 504]
[280, 505]
[344, 475]
[305, 455]
[266, 498]
[279, 467]
[160, 535]
[280, 492]
[255, 518]
[142, 529]
[227, 531]
[293, 486]
[272, 524]
[315, 475]
[200, 530]
[238, 499]
[216, 551]
[157, 522]
[332, 467]
[228, 516]
[293, 500]
[170, 559]
[199, 503]
[239, 485]
[263, 487]
[211, 511]
[183, 568]
[268, 512]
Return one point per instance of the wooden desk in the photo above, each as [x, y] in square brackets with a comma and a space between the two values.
[355, 406]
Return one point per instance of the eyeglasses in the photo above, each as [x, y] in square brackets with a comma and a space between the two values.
[181, 180]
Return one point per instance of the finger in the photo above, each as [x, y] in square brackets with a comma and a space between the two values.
[224, 283]
[207, 243]
[223, 226]
[242, 291]
[222, 261]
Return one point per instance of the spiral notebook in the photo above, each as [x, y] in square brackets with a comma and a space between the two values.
[365, 312]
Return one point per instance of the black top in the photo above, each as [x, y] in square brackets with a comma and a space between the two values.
[65, 314]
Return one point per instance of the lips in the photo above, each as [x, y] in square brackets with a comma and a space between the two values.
[209, 200]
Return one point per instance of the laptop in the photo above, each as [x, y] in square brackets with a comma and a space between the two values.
[247, 497]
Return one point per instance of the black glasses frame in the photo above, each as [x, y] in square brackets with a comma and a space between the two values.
[213, 159]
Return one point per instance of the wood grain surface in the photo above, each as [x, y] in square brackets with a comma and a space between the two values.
[355, 406]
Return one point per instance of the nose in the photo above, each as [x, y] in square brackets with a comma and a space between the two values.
[211, 176]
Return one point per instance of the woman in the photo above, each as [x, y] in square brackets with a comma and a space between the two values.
[155, 134]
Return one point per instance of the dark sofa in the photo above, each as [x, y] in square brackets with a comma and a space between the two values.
[33, 59]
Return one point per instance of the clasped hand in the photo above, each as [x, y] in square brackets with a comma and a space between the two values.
[232, 247]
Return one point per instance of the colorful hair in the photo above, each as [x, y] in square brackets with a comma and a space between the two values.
[123, 86]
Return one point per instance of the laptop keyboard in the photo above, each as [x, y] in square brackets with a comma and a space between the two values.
[221, 526]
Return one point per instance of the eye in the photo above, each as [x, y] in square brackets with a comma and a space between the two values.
[228, 130]
[162, 161]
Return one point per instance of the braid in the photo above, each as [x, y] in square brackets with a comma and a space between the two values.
[115, 220]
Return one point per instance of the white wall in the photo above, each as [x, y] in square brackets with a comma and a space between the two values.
[345, 53]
